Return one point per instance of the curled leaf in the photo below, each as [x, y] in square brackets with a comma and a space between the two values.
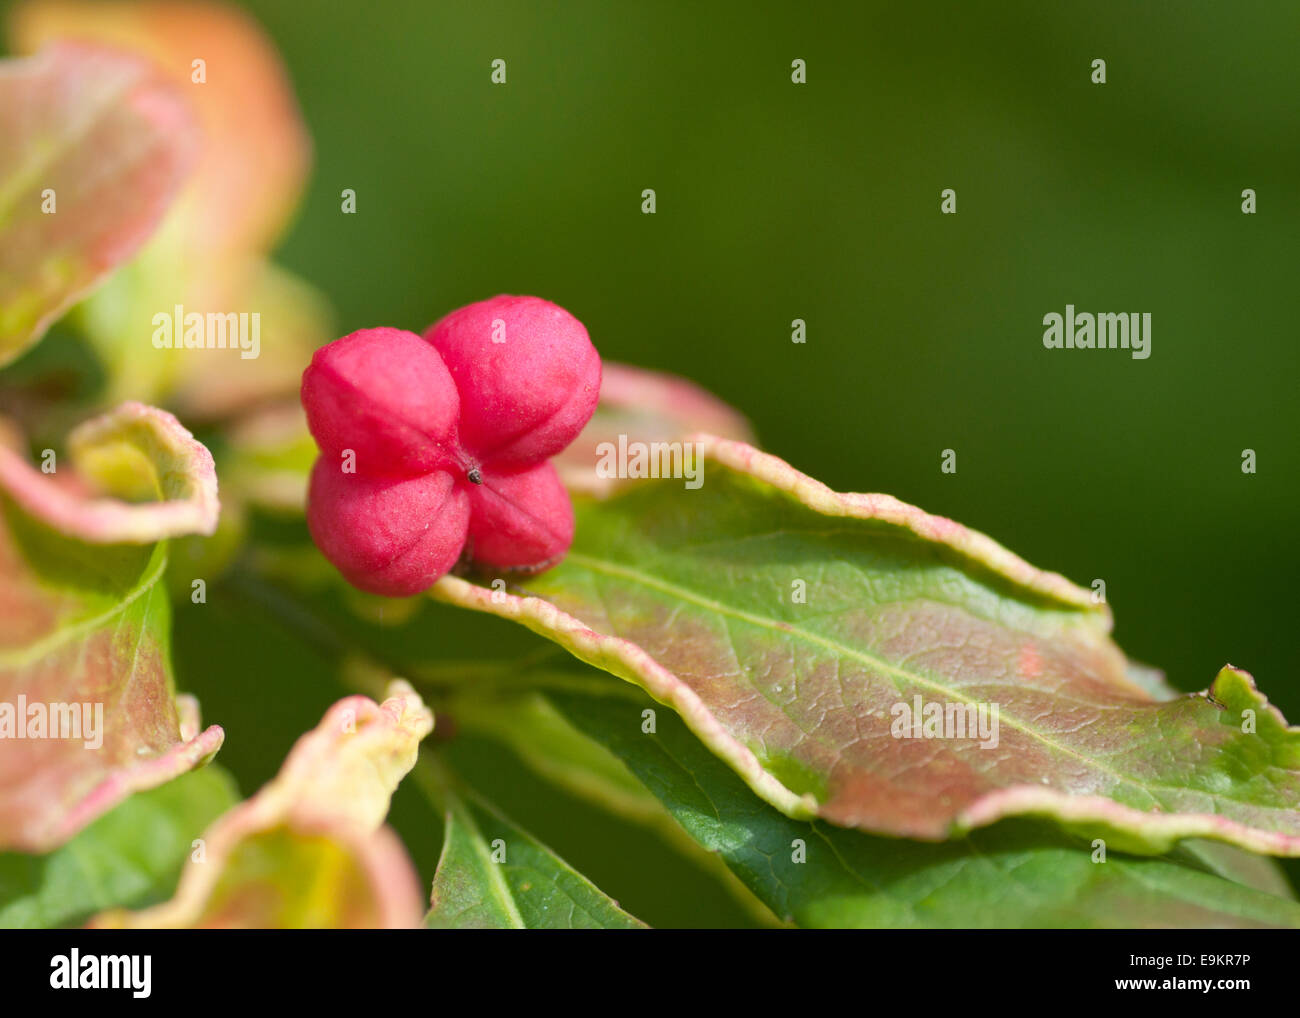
[310, 849]
[809, 636]
[136, 450]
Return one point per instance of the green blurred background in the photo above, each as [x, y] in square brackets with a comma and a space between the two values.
[821, 201]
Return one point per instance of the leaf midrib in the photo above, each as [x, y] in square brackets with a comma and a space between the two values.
[491, 869]
[672, 589]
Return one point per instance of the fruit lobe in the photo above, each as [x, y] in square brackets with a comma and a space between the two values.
[385, 395]
[392, 536]
[527, 373]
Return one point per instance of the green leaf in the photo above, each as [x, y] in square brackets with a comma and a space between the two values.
[96, 144]
[791, 626]
[85, 632]
[130, 856]
[546, 742]
[492, 875]
[1017, 873]
[516, 714]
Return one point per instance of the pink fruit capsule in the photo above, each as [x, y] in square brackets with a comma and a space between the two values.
[436, 451]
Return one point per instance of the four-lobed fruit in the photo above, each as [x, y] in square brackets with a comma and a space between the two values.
[435, 448]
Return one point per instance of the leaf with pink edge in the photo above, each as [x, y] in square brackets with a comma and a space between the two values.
[310, 849]
[137, 451]
[795, 629]
[1021, 873]
[85, 625]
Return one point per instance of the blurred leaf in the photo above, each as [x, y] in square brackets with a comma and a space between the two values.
[209, 255]
[96, 145]
[643, 406]
[788, 624]
[85, 630]
[310, 848]
[136, 451]
[268, 455]
[545, 740]
[492, 875]
[129, 856]
[256, 151]
[1261, 872]
[1017, 873]
[294, 319]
